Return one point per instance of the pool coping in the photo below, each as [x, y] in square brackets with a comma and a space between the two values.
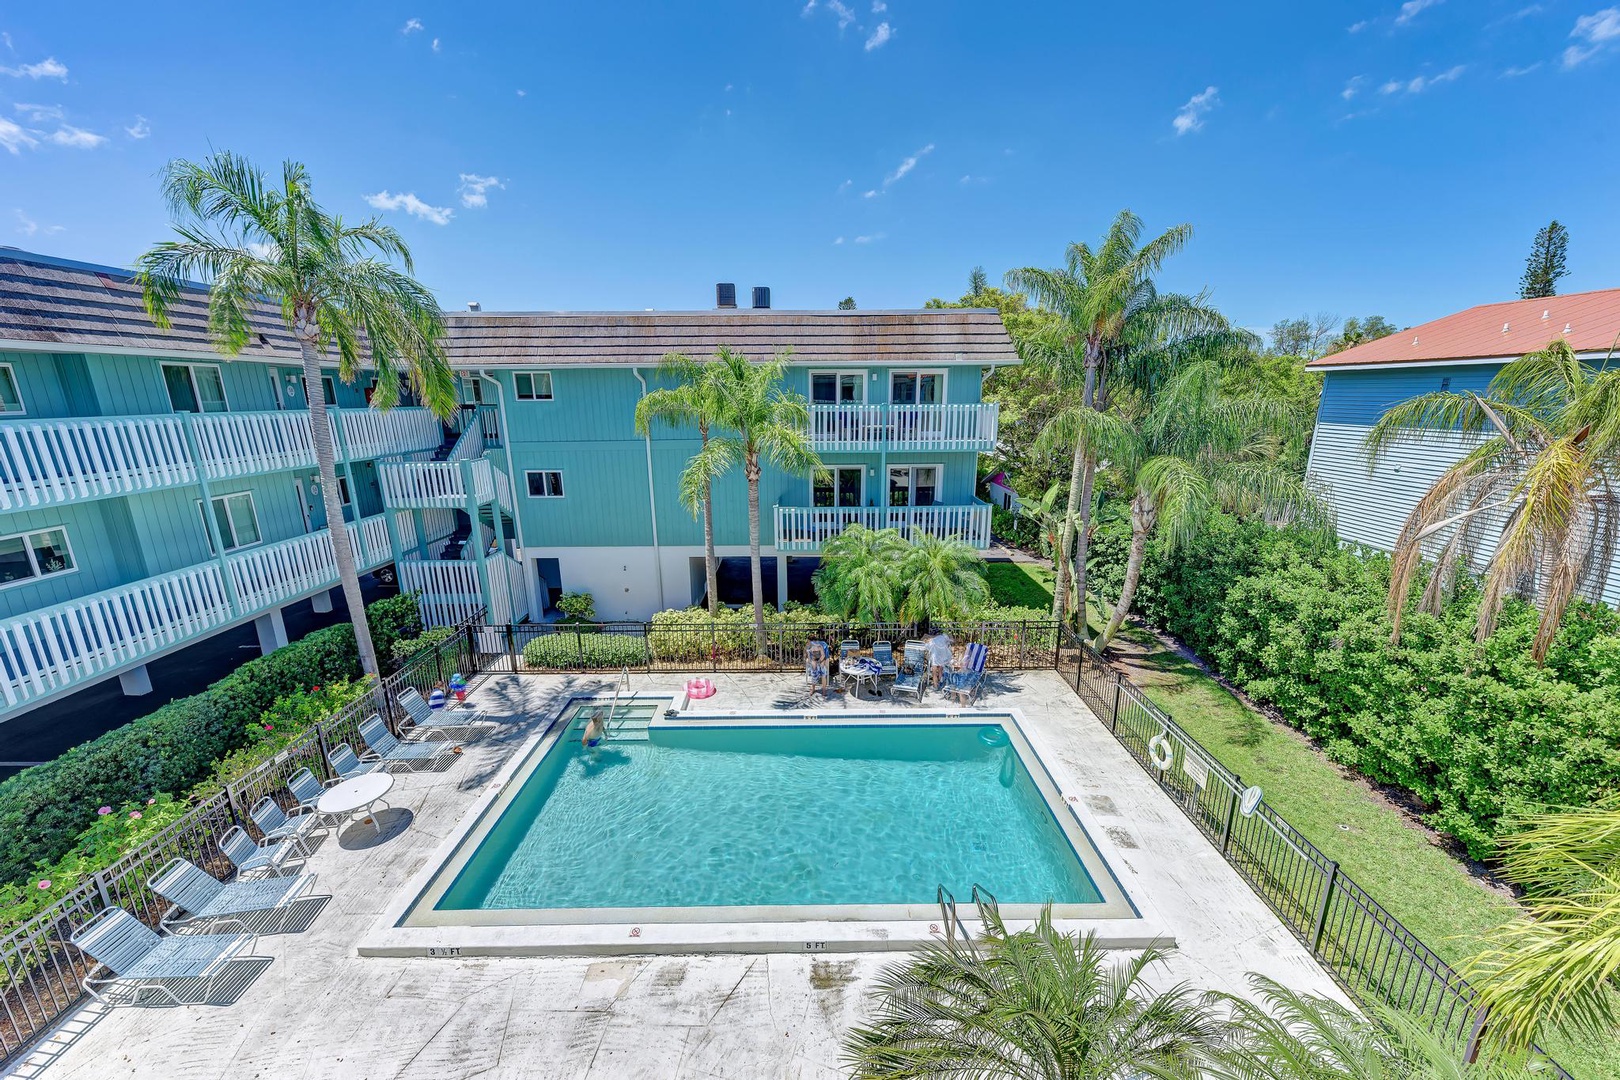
[1129, 923]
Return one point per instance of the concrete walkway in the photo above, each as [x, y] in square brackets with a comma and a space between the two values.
[321, 1011]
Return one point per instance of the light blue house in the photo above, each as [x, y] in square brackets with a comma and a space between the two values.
[1459, 352]
[153, 493]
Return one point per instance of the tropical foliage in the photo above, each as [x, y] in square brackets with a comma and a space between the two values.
[1537, 490]
[334, 285]
[876, 575]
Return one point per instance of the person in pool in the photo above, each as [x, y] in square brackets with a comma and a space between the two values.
[595, 729]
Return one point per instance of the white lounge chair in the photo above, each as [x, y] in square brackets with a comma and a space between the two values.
[346, 764]
[251, 858]
[964, 684]
[421, 716]
[138, 956]
[196, 896]
[385, 749]
[277, 825]
[913, 675]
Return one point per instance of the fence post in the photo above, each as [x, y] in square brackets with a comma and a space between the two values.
[714, 647]
[1057, 649]
[1476, 1036]
[1231, 816]
[511, 646]
[230, 801]
[1113, 720]
[1320, 924]
[320, 740]
[579, 647]
[100, 879]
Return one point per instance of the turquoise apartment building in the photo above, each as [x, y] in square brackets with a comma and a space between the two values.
[153, 493]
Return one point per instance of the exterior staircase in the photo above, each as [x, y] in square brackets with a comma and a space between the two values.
[456, 542]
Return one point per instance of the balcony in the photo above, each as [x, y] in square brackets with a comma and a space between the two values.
[420, 481]
[806, 528]
[904, 427]
[60, 648]
[49, 462]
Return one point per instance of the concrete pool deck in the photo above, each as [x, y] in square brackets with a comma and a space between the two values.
[322, 1011]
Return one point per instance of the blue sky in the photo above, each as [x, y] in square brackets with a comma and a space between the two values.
[1353, 156]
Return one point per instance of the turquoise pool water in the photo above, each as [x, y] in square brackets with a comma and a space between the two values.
[804, 815]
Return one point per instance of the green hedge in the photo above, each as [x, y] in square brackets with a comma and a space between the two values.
[565, 650]
[1477, 732]
[44, 809]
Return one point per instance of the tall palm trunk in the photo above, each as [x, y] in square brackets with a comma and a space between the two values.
[1081, 480]
[751, 471]
[711, 565]
[1060, 587]
[326, 461]
[1143, 517]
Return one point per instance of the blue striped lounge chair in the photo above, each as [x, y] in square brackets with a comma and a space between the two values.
[424, 718]
[136, 955]
[250, 858]
[346, 764]
[913, 673]
[846, 648]
[384, 748]
[277, 825]
[964, 683]
[883, 653]
[196, 896]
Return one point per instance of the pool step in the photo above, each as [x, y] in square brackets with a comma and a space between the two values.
[623, 729]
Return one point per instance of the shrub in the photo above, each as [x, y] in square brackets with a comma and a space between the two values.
[1015, 529]
[391, 620]
[405, 648]
[43, 809]
[567, 649]
[577, 605]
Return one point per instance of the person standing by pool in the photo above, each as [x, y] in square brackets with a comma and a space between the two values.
[595, 730]
[817, 665]
[939, 657]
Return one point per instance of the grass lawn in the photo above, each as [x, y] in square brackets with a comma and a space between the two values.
[1397, 862]
[1011, 584]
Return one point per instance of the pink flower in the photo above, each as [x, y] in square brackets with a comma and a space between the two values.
[45, 884]
[150, 801]
[314, 689]
[269, 727]
[134, 814]
[104, 811]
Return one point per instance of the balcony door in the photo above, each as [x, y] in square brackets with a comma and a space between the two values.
[837, 387]
[840, 485]
[913, 485]
[917, 387]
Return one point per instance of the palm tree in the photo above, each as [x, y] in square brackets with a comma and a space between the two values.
[943, 579]
[1032, 1005]
[1106, 302]
[335, 284]
[1290, 1036]
[1186, 448]
[1538, 486]
[860, 574]
[767, 424]
[1556, 965]
[692, 400]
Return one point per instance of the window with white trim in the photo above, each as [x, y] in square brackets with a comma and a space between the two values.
[837, 387]
[544, 483]
[10, 397]
[37, 554]
[237, 518]
[840, 485]
[195, 388]
[532, 385]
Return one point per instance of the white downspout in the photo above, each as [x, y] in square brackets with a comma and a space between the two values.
[652, 503]
[536, 611]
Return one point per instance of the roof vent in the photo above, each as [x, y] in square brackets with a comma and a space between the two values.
[1566, 328]
[1546, 313]
[725, 295]
[473, 305]
[762, 296]
[1504, 328]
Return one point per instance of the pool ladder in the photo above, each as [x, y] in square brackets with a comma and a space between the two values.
[953, 921]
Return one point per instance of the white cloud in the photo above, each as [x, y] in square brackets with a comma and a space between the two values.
[14, 138]
[7, 39]
[1593, 33]
[1353, 87]
[872, 194]
[879, 37]
[1421, 82]
[140, 129]
[77, 138]
[435, 44]
[1515, 72]
[264, 249]
[1356, 28]
[810, 6]
[523, 93]
[1413, 8]
[1191, 116]
[907, 165]
[474, 189]
[411, 26]
[408, 202]
[49, 68]
[28, 226]
[879, 7]
[874, 238]
[838, 241]
[39, 114]
[842, 10]
[728, 88]
[845, 186]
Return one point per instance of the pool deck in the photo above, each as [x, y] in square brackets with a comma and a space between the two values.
[320, 1010]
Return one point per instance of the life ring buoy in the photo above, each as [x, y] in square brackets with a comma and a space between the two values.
[1161, 752]
[992, 736]
[700, 688]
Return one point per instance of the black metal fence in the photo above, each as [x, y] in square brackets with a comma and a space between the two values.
[1367, 949]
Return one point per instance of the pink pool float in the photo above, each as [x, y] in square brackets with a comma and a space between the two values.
[700, 688]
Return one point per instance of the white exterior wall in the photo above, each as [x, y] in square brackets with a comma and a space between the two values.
[624, 581]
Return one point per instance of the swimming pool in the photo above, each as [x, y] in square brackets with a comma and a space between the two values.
[770, 818]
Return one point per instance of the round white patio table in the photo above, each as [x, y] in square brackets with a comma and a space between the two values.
[361, 793]
[862, 670]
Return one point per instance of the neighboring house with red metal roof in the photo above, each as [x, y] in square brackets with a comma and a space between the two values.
[1459, 352]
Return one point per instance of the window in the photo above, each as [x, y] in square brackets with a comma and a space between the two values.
[913, 485]
[35, 555]
[1445, 384]
[195, 388]
[343, 490]
[837, 387]
[917, 387]
[839, 486]
[475, 389]
[532, 385]
[328, 390]
[10, 399]
[545, 484]
[237, 519]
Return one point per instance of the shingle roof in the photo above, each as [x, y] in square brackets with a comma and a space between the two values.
[59, 303]
[934, 336]
[56, 302]
[1589, 321]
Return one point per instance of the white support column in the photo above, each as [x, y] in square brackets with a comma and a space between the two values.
[272, 630]
[781, 579]
[322, 602]
[135, 682]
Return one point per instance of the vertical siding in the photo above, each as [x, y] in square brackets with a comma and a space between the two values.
[39, 383]
[78, 391]
[128, 385]
[94, 553]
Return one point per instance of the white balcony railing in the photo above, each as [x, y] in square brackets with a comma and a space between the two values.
[372, 433]
[450, 592]
[58, 647]
[248, 443]
[444, 484]
[806, 528]
[904, 427]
